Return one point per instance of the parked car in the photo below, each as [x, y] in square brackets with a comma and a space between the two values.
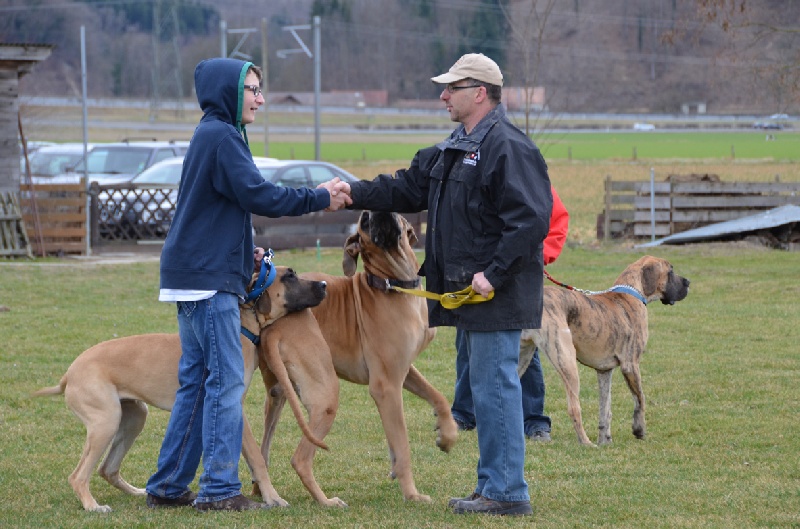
[50, 160]
[116, 163]
[767, 125]
[146, 207]
[33, 146]
[328, 229]
[289, 173]
[299, 173]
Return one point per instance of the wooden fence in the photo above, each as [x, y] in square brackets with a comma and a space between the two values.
[13, 235]
[55, 218]
[639, 209]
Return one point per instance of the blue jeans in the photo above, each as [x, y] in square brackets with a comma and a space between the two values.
[493, 358]
[532, 382]
[206, 418]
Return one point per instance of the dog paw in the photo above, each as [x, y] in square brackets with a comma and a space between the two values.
[103, 509]
[446, 435]
[277, 501]
[422, 498]
[334, 502]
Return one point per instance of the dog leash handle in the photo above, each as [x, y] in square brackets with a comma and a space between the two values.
[450, 300]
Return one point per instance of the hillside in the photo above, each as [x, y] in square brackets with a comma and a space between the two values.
[611, 56]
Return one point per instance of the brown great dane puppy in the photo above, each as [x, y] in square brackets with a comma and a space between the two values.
[374, 334]
[109, 386]
[603, 330]
[294, 354]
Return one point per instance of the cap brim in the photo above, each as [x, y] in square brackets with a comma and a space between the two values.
[447, 78]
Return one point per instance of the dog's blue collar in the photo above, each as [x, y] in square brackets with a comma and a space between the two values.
[265, 277]
[627, 289]
[250, 336]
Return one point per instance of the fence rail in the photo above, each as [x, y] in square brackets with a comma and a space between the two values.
[645, 209]
[55, 217]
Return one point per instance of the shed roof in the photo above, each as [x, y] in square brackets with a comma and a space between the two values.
[772, 218]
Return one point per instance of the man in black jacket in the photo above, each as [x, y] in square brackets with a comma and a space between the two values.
[488, 198]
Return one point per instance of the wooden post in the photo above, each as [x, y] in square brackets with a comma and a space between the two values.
[671, 206]
[607, 216]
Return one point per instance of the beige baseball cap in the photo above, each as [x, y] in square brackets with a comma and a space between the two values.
[473, 66]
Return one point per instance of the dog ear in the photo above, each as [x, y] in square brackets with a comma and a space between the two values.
[351, 250]
[412, 236]
[264, 304]
[651, 274]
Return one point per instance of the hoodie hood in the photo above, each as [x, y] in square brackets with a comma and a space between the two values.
[219, 84]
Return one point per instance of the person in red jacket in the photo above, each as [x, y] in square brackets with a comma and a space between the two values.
[537, 424]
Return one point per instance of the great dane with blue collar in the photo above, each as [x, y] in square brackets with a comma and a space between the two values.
[603, 330]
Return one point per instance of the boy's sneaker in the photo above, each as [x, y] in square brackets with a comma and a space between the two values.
[234, 503]
[540, 436]
[184, 500]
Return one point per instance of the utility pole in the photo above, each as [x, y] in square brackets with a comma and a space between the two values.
[317, 70]
[265, 87]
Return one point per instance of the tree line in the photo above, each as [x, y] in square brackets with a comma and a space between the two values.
[614, 56]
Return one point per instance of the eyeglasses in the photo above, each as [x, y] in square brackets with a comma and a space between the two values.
[255, 88]
[453, 89]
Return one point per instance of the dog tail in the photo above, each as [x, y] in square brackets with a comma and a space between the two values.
[52, 390]
[275, 365]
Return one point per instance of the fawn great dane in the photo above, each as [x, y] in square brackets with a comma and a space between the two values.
[109, 386]
[375, 333]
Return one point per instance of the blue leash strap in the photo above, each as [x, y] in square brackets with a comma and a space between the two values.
[250, 336]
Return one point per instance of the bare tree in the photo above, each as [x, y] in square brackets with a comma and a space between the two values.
[527, 20]
[766, 39]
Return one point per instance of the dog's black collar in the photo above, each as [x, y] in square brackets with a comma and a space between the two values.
[385, 284]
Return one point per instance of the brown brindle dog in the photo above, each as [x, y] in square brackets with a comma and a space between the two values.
[109, 386]
[603, 330]
[374, 334]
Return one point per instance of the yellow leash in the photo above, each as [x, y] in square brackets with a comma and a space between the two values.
[450, 300]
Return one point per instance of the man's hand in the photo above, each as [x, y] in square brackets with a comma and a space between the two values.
[340, 193]
[481, 285]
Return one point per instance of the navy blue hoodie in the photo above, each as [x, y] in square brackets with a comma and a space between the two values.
[210, 242]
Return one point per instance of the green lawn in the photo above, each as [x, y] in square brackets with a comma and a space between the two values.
[720, 375]
[565, 146]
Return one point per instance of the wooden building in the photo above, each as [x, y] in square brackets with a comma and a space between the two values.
[16, 60]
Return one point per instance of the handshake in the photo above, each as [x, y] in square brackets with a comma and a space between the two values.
[340, 194]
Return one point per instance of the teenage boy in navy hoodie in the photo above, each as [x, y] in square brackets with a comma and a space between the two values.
[206, 263]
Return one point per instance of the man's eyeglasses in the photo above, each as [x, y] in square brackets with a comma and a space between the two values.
[452, 89]
[255, 88]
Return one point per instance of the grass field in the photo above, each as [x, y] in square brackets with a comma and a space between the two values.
[720, 373]
[720, 376]
[590, 146]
